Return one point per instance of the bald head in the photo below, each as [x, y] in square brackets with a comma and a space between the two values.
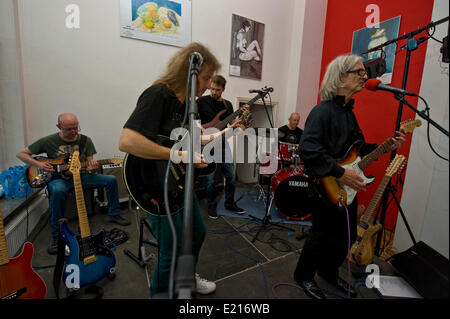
[67, 118]
[68, 124]
[294, 119]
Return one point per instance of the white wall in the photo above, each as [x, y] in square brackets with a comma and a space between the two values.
[311, 57]
[98, 75]
[425, 196]
[11, 127]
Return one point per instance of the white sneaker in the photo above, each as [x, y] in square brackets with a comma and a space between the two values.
[204, 286]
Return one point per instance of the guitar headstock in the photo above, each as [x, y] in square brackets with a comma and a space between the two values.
[408, 126]
[397, 164]
[116, 160]
[74, 163]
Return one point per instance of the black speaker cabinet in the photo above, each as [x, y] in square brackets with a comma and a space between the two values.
[425, 269]
[71, 212]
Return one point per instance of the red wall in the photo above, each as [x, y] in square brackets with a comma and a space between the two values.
[377, 111]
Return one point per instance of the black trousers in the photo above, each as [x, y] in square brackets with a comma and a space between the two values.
[326, 247]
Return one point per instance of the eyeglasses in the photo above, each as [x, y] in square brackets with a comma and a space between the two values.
[75, 129]
[360, 72]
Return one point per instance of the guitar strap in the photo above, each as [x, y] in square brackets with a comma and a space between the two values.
[83, 139]
[57, 274]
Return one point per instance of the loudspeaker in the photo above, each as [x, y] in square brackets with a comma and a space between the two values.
[425, 269]
[115, 170]
[71, 212]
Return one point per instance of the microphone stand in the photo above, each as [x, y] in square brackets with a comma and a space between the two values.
[412, 45]
[184, 282]
[266, 220]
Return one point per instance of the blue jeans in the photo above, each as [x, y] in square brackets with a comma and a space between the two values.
[163, 234]
[211, 194]
[58, 189]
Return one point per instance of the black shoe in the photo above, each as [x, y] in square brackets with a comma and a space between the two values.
[342, 285]
[119, 220]
[212, 211]
[311, 289]
[235, 209]
[53, 246]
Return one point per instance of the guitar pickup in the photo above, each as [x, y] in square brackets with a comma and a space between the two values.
[174, 172]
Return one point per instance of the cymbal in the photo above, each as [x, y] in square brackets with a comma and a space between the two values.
[268, 130]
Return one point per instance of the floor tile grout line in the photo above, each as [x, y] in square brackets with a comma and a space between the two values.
[255, 266]
[240, 233]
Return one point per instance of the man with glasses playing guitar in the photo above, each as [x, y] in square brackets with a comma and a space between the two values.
[66, 141]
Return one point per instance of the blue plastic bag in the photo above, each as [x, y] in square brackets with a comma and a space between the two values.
[14, 182]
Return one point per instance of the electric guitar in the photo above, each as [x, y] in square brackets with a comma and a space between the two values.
[338, 193]
[144, 178]
[89, 252]
[39, 178]
[17, 277]
[361, 251]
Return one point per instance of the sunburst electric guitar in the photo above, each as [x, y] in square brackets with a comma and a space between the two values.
[361, 251]
[339, 193]
[89, 252]
[39, 178]
[17, 279]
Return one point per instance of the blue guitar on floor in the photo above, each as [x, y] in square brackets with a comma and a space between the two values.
[90, 259]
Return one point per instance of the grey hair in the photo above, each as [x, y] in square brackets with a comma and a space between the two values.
[335, 71]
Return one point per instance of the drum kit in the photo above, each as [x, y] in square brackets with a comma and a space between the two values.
[288, 185]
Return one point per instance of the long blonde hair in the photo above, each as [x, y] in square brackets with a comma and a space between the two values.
[175, 75]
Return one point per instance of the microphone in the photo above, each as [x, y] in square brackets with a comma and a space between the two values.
[197, 58]
[255, 91]
[374, 85]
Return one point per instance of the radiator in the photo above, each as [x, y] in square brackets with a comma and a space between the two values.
[16, 229]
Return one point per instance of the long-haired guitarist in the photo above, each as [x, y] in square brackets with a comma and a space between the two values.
[159, 110]
[66, 141]
[330, 130]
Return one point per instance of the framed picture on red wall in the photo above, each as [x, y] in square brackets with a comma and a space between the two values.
[371, 37]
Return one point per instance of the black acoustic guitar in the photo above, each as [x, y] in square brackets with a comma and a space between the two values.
[144, 178]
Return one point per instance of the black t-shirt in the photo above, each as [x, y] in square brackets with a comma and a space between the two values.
[330, 130]
[290, 136]
[209, 107]
[158, 112]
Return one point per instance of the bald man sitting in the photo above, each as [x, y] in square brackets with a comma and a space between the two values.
[292, 133]
[68, 140]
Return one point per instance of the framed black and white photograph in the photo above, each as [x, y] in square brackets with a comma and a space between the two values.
[247, 42]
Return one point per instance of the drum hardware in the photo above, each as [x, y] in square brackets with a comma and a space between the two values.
[266, 220]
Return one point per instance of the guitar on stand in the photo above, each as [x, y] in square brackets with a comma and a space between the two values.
[362, 251]
[18, 280]
[88, 252]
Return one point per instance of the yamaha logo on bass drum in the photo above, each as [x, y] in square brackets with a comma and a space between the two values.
[295, 183]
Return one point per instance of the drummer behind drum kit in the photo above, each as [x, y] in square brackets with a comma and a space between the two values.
[288, 185]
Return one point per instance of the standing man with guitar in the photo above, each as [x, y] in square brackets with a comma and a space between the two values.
[159, 110]
[66, 141]
[330, 130]
[212, 109]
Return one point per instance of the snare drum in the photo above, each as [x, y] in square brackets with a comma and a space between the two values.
[290, 193]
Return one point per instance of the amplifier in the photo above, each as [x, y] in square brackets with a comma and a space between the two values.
[71, 212]
[425, 269]
[115, 170]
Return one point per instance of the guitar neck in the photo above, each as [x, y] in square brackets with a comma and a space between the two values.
[375, 200]
[4, 255]
[232, 116]
[85, 164]
[81, 206]
[368, 159]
